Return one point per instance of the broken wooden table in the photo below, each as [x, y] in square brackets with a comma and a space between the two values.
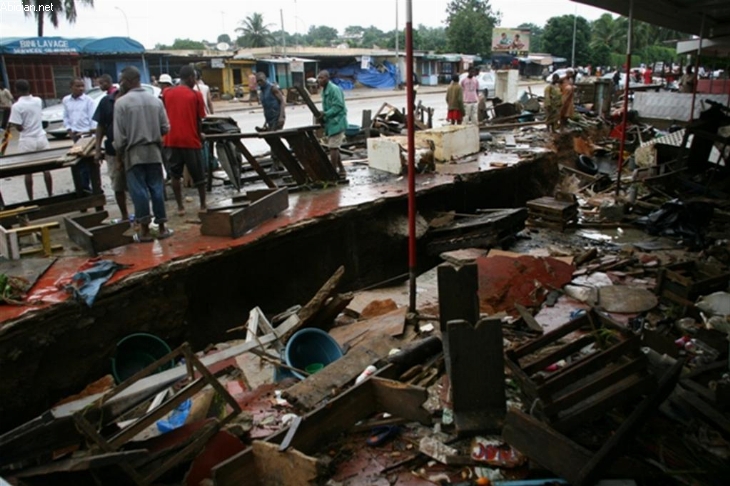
[568, 459]
[550, 212]
[478, 230]
[50, 160]
[304, 158]
[93, 423]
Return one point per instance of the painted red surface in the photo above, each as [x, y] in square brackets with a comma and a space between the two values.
[188, 242]
[221, 447]
[506, 281]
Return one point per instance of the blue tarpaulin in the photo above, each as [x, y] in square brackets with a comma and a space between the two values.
[372, 77]
[63, 45]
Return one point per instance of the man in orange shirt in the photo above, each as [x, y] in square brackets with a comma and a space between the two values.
[185, 110]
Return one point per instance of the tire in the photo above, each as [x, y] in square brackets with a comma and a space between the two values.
[587, 165]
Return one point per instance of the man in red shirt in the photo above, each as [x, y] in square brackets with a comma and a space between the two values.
[185, 110]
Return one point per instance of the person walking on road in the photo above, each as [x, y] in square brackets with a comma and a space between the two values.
[139, 124]
[334, 118]
[455, 101]
[25, 116]
[470, 88]
[185, 110]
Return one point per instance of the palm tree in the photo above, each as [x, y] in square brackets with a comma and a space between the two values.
[609, 31]
[53, 10]
[254, 33]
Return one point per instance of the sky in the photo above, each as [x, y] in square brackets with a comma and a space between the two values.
[162, 21]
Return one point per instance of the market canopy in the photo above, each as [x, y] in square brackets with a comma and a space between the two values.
[682, 15]
[64, 45]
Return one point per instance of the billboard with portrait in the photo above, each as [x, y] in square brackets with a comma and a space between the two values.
[512, 41]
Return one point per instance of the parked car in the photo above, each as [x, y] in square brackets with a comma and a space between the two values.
[52, 116]
[562, 73]
[486, 80]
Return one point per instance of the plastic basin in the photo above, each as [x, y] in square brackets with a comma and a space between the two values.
[308, 347]
[137, 351]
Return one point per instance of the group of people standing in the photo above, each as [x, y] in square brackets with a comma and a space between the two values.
[138, 134]
[463, 99]
[559, 100]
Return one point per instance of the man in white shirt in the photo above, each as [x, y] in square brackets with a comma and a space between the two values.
[6, 101]
[205, 91]
[25, 116]
[78, 114]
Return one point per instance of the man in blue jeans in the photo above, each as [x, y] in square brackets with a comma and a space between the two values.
[140, 122]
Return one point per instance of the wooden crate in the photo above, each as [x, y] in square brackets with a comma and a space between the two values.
[89, 232]
[238, 215]
[690, 280]
[585, 389]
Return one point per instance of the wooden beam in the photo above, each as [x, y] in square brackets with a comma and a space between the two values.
[290, 467]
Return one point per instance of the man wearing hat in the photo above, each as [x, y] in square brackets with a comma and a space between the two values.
[165, 82]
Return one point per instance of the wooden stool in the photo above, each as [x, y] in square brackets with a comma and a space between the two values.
[10, 245]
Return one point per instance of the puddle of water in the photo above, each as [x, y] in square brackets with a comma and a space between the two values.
[618, 236]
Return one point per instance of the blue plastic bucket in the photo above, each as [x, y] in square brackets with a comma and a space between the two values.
[310, 346]
[136, 352]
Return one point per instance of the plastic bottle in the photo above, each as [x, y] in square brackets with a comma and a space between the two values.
[368, 371]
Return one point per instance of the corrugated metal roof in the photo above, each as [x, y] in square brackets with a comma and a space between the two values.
[682, 15]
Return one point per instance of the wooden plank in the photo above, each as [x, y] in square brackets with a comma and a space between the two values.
[308, 101]
[244, 219]
[308, 393]
[616, 443]
[551, 337]
[323, 156]
[254, 163]
[562, 353]
[316, 303]
[458, 298]
[281, 152]
[544, 445]
[62, 204]
[295, 423]
[401, 400]
[595, 406]
[596, 384]
[476, 372]
[291, 467]
[705, 411]
[591, 364]
[317, 429]
[528, 318]
[312, 157]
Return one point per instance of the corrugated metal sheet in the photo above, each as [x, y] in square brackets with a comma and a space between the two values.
[671, 106]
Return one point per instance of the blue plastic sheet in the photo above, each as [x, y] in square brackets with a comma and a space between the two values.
[371, 77]
[177, 418]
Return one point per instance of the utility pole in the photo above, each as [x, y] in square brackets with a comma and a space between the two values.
[397, 63]
[283, 33]
[575, 29]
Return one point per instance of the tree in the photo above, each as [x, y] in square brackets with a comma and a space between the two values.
[224, 38]
[431, 38]
[558, 38]
[536, 34]
[469, 26]
[183, 45]
[372, 36]
[254, 32]
[322, 36]
[53, 9]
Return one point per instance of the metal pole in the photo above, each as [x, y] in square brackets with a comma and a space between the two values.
[697, 69]
[397, 42]
[575, 29]
[625, 121]
[283, 34]
[411, 158]
[125, 19]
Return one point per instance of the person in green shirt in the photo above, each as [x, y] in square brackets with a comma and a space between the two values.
[333, 117]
